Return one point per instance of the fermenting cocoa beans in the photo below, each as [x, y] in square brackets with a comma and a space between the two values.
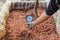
[16, 27]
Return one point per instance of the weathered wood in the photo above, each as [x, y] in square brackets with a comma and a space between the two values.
[27, 5]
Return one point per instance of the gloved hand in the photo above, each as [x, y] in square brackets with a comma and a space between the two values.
[31, 24]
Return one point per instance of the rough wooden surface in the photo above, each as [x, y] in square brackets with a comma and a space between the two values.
[26, 5]
[56, 17]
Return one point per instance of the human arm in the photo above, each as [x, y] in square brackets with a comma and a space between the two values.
[51, 9]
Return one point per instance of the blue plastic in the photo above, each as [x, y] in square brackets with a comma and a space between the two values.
[29, 18]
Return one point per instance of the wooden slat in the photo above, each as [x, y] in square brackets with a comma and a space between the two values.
[28, 4]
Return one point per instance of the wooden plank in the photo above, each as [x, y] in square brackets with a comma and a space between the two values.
[27, 4]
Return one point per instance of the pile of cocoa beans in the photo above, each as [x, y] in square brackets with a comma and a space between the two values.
[16, 27]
